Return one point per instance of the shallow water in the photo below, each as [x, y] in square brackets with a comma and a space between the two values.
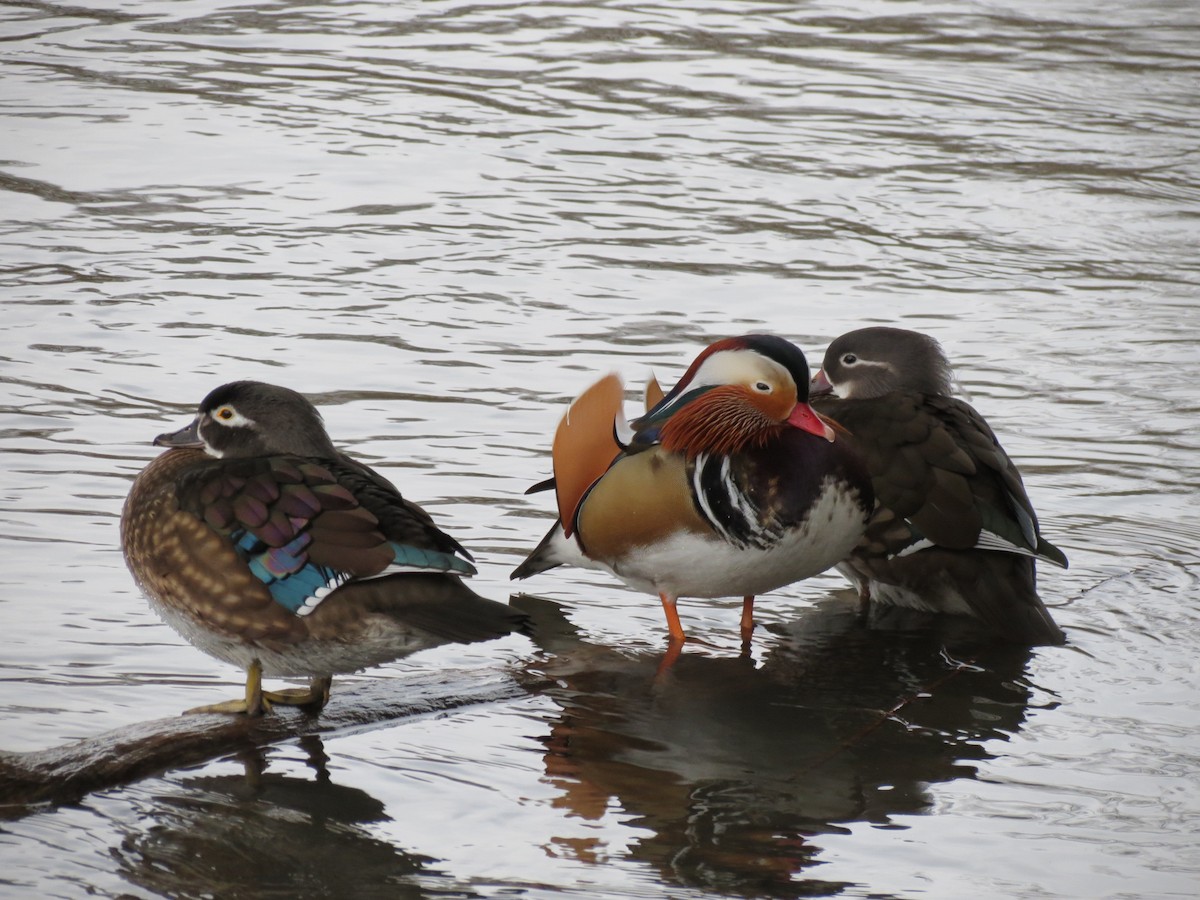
[441, 221]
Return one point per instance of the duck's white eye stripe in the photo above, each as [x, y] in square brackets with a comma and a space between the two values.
[227, 415]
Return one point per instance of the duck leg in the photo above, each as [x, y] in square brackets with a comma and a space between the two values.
[676, 630]
[258, 701]
[313, 698]
[254, 703]
[676, 636]
[747, 618]
[864, 601]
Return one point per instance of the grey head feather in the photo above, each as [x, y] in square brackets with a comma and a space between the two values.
[269, 420]
[871, 362]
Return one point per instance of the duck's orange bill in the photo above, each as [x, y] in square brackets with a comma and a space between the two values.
[585, 446]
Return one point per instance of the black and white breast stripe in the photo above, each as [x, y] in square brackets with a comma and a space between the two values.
[722, 504]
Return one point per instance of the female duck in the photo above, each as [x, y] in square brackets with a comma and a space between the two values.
[954, 531]
[266, 547]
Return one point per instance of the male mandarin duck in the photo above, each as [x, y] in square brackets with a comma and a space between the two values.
[266, 547]
[729, 485]
[954, 531]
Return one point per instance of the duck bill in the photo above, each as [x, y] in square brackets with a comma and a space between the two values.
[806, 419]
[820, 385]
[188, 436]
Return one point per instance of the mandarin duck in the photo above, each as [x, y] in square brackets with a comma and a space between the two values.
[953, 531]
[729, 485]
[266, 547]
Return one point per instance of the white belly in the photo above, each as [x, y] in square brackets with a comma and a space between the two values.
[692, 565]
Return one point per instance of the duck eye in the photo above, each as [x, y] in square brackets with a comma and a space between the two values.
[762, 387]
[849, 359]
[225, 413]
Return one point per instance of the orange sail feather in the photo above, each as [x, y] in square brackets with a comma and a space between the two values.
[585, 445]
[654, 393]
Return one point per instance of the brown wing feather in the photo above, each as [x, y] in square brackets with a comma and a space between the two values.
[933, 461]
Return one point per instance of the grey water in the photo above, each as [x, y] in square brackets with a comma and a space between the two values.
[441, 220]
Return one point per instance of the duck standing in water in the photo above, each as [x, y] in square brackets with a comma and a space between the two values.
[266, 547]
[729, 485]
[954, 531]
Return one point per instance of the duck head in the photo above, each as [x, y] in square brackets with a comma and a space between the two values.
[251, 418]
[738, 393]
[871, 362]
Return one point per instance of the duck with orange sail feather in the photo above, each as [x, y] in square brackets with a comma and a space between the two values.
[729, 485]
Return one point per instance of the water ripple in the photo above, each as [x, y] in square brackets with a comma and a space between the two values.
[442, 220]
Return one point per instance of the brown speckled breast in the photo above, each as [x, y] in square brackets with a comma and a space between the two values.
[186, 566]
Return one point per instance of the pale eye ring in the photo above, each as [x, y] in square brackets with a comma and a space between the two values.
[849, 359]
[225, 413]
[762, 387]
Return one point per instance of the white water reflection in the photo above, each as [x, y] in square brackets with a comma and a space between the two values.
[441, 220]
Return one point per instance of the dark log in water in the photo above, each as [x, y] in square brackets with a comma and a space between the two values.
[67, 773]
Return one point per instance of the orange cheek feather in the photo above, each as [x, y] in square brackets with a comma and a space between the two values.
[726, 420]
[584, 445]
[777, 406]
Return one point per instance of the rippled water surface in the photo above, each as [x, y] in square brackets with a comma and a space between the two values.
[441, 220]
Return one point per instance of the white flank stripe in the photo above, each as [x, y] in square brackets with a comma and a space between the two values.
[698, 491]
[989, 540]
[923, 544]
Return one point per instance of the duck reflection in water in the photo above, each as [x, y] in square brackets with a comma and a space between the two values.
[267, 834]
[736, 768]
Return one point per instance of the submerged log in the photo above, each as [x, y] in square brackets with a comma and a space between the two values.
[66, 774]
